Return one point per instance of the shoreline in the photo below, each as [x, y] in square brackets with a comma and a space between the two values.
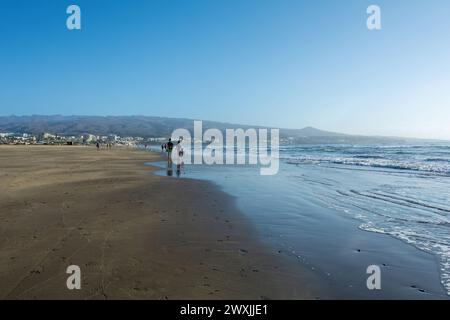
[316, 237]
[134, 234]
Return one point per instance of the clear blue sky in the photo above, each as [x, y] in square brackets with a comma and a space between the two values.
[276, 63]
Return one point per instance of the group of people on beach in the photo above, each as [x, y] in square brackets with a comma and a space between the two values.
[108, 145]
[168, 148]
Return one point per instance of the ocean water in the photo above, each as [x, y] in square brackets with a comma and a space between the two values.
[398, 191]
[402, 191]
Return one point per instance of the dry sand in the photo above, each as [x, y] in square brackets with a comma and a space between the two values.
[135, 235]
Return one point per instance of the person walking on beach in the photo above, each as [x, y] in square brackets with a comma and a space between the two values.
[180, 151]
[179, 154]
[98, 146]
[169, 149]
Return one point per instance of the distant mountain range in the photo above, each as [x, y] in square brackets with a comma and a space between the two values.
[155, 127]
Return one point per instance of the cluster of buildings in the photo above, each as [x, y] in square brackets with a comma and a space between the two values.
[56, 139]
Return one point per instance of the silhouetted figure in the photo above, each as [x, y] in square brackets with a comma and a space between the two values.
[169, 149]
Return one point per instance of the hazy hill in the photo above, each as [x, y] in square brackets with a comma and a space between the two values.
[147, 127]
[123, 126]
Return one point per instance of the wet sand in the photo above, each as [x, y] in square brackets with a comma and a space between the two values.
[293, 216]
[135, 235]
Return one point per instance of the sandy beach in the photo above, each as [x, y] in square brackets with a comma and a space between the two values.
[135, 235]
